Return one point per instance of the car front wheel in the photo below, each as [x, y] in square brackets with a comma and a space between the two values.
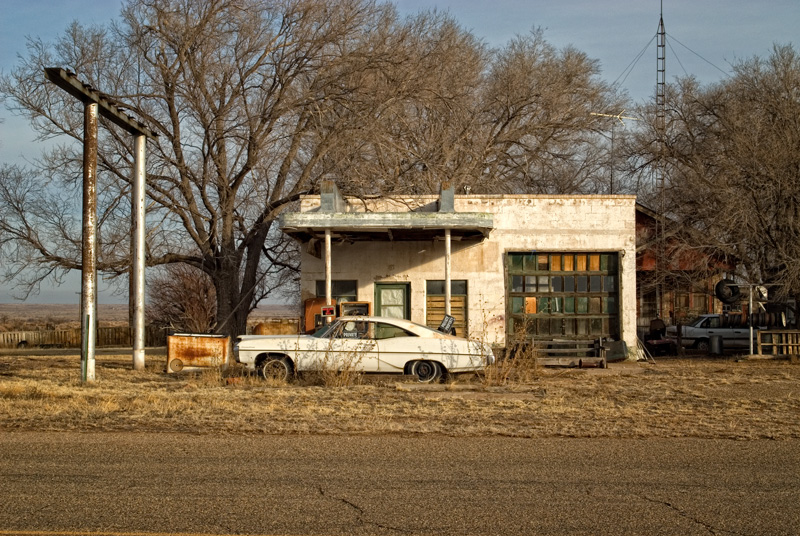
[276, 368]
[426, 371]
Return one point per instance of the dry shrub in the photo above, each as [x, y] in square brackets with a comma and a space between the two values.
[516, 364]
[344, 373]
[183, 298]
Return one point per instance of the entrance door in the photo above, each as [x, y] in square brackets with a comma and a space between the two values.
[393, 300]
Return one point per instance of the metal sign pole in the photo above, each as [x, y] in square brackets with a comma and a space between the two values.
[89, 245]
[138, 248]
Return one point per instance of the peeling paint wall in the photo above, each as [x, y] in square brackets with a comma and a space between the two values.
[521, 223]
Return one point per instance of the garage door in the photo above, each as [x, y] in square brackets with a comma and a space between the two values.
[562, 295]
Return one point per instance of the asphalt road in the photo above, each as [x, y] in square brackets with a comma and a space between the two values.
[134, 483]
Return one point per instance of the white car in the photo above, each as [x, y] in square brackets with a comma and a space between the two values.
[364, 344]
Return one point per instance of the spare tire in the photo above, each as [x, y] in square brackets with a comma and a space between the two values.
[727, 291]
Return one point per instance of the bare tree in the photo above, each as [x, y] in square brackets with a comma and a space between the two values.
[256, 101]
[182, 298]
[732, 158]
[251, 101]
[518, 119]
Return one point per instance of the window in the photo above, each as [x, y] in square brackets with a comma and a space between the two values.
[434, 304]
[563, 295]
[388, 331]
[342, 290]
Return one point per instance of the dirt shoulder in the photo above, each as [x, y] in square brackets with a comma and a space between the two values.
[701, 398]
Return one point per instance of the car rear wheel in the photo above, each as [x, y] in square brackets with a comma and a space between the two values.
[426, 371]
[276, 368]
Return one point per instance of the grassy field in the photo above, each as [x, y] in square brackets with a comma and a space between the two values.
[701, 398]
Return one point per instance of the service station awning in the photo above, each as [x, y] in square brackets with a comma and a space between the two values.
[334, 217]
[391, 226]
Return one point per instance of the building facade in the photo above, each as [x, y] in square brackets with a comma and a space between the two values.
[504, 266]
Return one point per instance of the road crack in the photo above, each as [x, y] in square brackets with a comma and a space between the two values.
[683, 513]
[360, 513]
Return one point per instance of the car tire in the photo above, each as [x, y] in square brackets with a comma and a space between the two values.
[276, 368]
[727, 291]
[703, 345]
[426, 371]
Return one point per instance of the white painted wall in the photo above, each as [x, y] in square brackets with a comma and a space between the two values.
[521, 223]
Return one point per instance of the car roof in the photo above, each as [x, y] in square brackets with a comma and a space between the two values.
[414, 327]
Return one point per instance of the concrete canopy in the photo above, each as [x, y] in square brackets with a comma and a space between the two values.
[388, 225]
[334, 216]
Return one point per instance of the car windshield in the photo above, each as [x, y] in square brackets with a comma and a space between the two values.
[321, 332]
[697, 321]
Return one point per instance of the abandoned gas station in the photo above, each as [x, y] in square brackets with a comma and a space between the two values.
[544, 267]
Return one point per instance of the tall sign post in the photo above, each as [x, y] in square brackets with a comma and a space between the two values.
[137, 245]
[96, 103]
[89, 243]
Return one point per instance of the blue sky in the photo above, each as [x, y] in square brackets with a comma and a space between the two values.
[703, 38]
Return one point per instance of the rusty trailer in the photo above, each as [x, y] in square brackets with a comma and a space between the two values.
[197, 351]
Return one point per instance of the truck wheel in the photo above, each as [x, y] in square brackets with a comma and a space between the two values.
[703, 345]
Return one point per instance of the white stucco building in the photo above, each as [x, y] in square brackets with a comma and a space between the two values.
[552, 267]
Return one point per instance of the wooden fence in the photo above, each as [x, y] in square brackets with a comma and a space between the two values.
[71, 338]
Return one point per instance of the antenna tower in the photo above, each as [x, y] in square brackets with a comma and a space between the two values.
[661, 112]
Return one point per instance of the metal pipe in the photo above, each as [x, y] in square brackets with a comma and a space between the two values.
[750, 317]
[89, 253]
[328, 282]
[138, 247]
[447, 290]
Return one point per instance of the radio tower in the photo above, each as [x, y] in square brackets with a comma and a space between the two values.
[661, 104]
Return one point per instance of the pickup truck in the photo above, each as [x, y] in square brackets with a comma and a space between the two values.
[697, 333]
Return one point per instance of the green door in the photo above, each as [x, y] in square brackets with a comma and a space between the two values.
[393, 300]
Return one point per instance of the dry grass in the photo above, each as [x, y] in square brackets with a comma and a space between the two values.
[674, 398]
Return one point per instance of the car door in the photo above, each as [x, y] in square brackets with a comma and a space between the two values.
[396, 347]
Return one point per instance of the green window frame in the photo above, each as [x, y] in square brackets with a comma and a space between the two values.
[565, 295]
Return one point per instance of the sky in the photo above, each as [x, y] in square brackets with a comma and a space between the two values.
[704, 38]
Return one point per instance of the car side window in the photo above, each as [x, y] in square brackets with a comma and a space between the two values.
[354, 329]
[388, 331]
[713, 322]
